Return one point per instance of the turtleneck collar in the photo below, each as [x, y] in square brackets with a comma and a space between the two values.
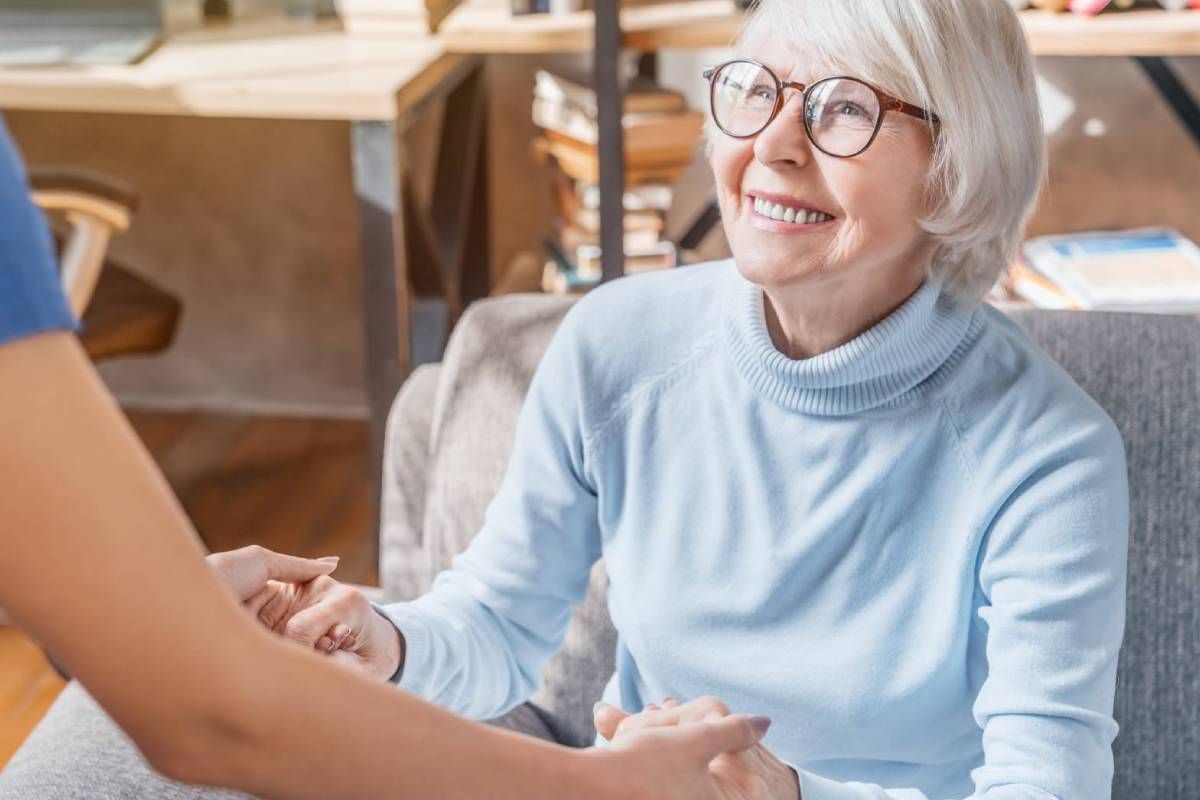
[899, 358]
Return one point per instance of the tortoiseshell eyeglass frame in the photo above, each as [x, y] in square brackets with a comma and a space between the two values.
[886, 103]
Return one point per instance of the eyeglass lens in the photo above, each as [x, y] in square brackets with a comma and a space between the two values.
[842, 113]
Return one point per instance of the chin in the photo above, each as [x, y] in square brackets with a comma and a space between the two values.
[771, 270]
[767, 273]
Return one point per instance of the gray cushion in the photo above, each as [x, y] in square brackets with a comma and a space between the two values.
[403, 570]
[1145, 371]
[77, 752]
[486, 371]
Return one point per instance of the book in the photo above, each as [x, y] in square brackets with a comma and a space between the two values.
[640, 99]
[650, 131]
[573, 236]
[661, 256]
[649, 196]
[1147, 269]
[559, 279]
[1030, 285]
[583, 164]
[588, 219]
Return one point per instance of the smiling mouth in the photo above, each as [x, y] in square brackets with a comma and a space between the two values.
[779, 212]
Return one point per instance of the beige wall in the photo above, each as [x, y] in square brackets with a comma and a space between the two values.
[252, 222]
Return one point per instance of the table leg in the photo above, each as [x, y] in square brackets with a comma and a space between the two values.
[387, 306]
[1173, 91]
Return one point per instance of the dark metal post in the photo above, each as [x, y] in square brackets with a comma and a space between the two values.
[607, 58]
[1173, 91]
[386, 301]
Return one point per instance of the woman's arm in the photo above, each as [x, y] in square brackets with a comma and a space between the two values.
[101, 565]
[476, 643]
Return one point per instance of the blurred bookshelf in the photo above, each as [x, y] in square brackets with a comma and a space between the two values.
[661, 136]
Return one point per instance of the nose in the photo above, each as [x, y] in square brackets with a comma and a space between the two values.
[783, 144]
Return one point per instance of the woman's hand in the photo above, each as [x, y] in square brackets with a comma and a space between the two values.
[754, 773]
[679, 761]
[334, 619]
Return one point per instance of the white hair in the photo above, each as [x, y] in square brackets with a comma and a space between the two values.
[968, 62]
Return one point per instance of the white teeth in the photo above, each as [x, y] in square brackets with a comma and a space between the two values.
[781, 213]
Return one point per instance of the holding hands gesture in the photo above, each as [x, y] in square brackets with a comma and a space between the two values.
[750, 774]
[693, 751]
[296, 598]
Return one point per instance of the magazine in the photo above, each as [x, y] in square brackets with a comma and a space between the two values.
[1145, 269]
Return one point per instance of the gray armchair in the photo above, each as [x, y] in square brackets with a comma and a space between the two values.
[448, 442]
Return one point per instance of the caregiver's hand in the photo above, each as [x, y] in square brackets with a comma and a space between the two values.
[756, 773]
[249, 570]
[675, 762]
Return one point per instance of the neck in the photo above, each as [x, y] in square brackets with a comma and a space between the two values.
[805, 321]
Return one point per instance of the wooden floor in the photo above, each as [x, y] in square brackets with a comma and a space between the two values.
[295, 485]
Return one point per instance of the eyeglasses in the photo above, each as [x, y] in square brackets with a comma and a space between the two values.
[842, 115]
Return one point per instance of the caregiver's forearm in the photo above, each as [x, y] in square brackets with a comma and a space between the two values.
[101, 565]
[390, 744]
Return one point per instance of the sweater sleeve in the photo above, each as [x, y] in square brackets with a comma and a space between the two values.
[477, 641]
[1052, 573]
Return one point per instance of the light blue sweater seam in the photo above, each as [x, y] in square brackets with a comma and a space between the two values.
[960, 445]
[645, 388]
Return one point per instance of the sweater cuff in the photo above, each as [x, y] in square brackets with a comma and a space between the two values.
[814, 787]
[415, 630]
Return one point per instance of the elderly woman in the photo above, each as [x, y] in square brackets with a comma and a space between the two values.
[828, 483]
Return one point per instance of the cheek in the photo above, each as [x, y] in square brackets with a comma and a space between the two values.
[883, 191]
[728, 161]
[883, 204]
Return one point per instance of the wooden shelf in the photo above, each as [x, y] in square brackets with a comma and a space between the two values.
[486, 26]
[1143, 32]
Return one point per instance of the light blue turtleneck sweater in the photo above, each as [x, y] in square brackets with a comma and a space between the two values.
[908, 551]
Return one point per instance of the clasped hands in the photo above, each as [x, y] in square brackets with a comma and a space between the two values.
[756, 772]
[296, 598]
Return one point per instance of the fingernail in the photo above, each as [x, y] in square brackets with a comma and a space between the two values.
[760, 725]
[596, 708]
[330, 559]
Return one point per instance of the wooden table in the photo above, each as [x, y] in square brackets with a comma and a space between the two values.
[485, 26]
[295, 70]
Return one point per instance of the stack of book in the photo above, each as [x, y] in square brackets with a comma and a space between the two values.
[1154, 270]
[660, 135]
[405, 17]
